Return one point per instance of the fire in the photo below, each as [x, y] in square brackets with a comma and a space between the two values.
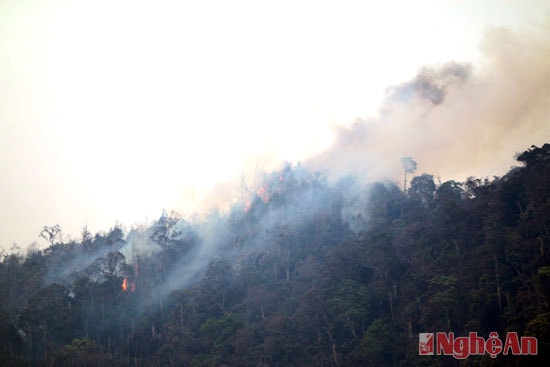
[263, 193]
[128, 284]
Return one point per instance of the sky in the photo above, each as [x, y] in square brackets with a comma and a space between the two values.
[113, 110]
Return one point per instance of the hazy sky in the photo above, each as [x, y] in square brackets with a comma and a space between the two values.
[111, 110]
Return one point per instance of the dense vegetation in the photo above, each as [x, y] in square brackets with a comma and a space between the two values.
[306, 274]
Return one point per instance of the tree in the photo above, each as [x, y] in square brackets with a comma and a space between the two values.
[86, 235]
[161, 231]
[409, 166]
[378, 345]
[50, 233]
[422, 188]
[112, 267]
[49, 320]
[536, 157]
[449, 191]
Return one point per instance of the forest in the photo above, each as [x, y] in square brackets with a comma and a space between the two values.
[301, 272]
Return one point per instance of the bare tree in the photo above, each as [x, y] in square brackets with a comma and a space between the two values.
[86, 234]
[50, 233]
[409, 165]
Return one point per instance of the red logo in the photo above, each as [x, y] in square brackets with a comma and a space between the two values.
[430, 344]
[426, 344]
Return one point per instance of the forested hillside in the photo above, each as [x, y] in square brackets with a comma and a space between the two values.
[306, 273]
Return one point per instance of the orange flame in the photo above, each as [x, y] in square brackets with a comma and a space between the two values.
[128, 284]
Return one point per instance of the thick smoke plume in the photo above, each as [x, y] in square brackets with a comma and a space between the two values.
[455, 120]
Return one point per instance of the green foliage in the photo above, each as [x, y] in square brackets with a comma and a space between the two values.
[82, 345]
[378, 345]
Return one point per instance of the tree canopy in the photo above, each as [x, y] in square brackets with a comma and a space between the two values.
[303, 274]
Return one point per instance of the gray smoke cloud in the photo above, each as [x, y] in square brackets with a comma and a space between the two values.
[431, 84]
[455, 120]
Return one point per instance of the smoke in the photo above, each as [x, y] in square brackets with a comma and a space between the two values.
[455, 120]
[430, 84]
